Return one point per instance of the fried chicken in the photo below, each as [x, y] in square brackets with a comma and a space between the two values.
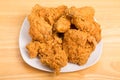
[53, 14]
[61, 35]
[86, 12]
[83, 19]
[78, 45]
[33, 48]
[87, 26]
[50, 53]
[53, 56]
[62, 24]
[40, 30]
[49, 14]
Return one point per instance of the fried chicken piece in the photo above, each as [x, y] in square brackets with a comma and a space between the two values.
[40, 30]
[83, 19]
[49, 14]
[86, 12]
[78, 45]
[55, 60]
[53, 14]
[52, 55]
[33, 48]
[62, 24]
[38, 11]
[91, 27]
[96, 32]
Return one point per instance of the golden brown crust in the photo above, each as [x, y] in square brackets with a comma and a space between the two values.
[49, 14]
[53, 56]
[50, 53]
[53, 14]
[78, 45]
[86, 12]
[40, 30]
[62, 24]
[83, 19]
[33, 48]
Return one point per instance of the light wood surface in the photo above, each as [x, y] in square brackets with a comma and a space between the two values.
[12, 66]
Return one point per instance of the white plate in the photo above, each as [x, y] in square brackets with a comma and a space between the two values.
[24, 39]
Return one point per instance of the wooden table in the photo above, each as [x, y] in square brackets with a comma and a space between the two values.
[12, 66]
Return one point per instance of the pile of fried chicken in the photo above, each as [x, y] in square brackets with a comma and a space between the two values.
[61, 35]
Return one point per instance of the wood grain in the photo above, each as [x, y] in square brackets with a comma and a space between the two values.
[12, 66]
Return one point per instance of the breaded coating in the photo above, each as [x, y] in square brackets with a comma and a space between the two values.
[92, 28]
[86, 12]
[40, 30]
[83, 19]
[62, 24]
[53, 14]
[55, 61]
[78, 45]
[38, 11]
[52, 55]
[33, 48]
[49, 14]
[96, 32]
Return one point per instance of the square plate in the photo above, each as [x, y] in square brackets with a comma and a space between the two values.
[24, 39]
